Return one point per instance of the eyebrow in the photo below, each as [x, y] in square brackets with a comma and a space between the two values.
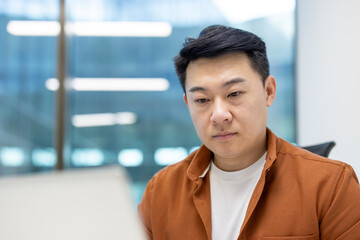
[226, 84]
[233, 81]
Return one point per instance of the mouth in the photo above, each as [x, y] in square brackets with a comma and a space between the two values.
[224, 136]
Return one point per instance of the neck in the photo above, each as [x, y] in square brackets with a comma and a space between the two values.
[240, 162]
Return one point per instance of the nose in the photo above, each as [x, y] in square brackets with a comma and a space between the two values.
[220, 113]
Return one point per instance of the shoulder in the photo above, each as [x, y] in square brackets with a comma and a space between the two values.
[173, 171]
[327, 190]
[296, 161]
[320, 179]
[299, 156]
[170, 177]
[164, 189]
[313, 172]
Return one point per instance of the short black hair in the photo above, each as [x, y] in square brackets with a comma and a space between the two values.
[216, 40]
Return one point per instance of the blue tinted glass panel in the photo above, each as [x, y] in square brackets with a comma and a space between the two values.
[27, 60]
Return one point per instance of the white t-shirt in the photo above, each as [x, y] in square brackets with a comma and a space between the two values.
[230, 196]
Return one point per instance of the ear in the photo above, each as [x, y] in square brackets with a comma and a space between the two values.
[270, 89]
[185, 100]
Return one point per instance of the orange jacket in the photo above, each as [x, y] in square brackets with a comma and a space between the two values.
[300, 196]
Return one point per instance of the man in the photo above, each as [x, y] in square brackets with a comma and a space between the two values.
[244, 182]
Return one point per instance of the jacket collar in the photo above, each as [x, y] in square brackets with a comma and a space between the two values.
[200, 162]
[273, 147]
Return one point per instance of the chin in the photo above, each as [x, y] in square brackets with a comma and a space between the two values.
[226, 153]
[228, 156]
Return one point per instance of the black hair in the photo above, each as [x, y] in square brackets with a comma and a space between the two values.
[218, 40]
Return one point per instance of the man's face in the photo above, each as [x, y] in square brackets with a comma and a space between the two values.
[228, 106]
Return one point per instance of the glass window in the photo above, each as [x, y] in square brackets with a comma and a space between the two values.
[124, 102]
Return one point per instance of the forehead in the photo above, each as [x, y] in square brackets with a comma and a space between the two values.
[217, 70]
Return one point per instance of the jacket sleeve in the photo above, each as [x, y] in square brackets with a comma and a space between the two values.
[144, 208]
[341, 220]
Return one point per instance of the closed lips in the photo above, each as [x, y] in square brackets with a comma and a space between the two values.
[224, 134]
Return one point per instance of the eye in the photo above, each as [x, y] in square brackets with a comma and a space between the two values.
[201, 100]
[234, 94]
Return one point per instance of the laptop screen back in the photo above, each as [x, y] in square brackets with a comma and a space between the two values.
[74, 204]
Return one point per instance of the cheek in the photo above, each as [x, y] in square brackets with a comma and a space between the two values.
[252, 115]
[259, 114]
[200, 121]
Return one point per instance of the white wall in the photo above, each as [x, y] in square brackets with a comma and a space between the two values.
[328, 76]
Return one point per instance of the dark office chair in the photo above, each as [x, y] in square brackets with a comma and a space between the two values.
[322, 149]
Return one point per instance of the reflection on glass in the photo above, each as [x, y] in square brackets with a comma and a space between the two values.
[44, 157]
[12, 156]
[119, 29]
[120, 84]
[33, 28]
[104, 119]
[242, 11]
[112, 84]
[131, 157]
[167, 156]
[100, 29]
[81, 157]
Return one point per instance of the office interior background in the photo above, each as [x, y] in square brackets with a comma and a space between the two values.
[123, 103]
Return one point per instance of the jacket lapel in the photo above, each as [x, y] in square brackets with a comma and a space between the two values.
[201, 198]
[198, 174]
[270, 159]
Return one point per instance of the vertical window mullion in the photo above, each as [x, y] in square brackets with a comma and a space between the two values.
[61, 96]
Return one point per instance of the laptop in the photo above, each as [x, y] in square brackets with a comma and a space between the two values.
[88, 204]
